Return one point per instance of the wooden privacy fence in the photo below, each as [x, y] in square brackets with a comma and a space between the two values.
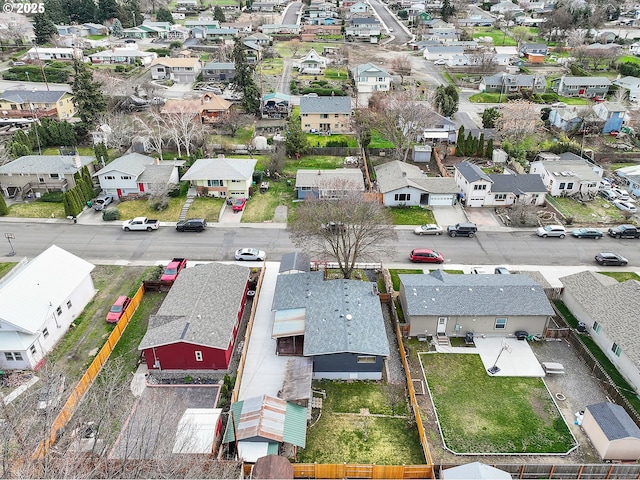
[89, 376]
[348, 470]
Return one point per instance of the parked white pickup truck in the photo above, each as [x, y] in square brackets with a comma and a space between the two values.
[140, 223]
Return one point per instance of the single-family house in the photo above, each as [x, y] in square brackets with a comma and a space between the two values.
[435, 52]
[534, 48]
[96, 28]
[265, 425]
[326, 114]
[252, 51]
[310, 32]
[54, 102]
[446, 305]
[506, 83]
[312, 63]
[54, 53]
[567, 174]
[363, 27]
[401, 183]
[631, 85]
[37, 306]
[180, 70]
[476, 21]
[218, 72]
[73, 30]
[438, 129]
[198, 28]
[506, 7]
[612, 114]
[566, 118]
[263, 6]
[568, 86]
[337, 323]
[631, 176]
[277, 28]
[177, 32]
[370, 78]
[33, 175]
[208, 108]
[225, 35]
[138, 32]
[123, 55]
[610, 317]
[442, 35]
[612, 432]
[634, 48]
[259, 38]
[359, 7]
[497, 190]
[328, 184]
[276, 105]
[195, 329]
[221, 177]
[135, 173]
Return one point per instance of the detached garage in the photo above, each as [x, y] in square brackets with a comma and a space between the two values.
[612, 431]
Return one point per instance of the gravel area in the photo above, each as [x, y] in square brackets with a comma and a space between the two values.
[394, 370]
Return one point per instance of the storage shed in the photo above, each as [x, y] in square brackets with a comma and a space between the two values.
[612, 432]
[422, 153]
[475, 470]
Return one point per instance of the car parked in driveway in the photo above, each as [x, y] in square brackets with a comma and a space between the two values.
[428, 229]
[611, 259]
[621, 194]
[249, 254]
[440, 61]
[586, 233]
[101, 202]
[425, 255]
[552, 231]
[625, 206]
[608, 194]
[117, 309]
[238, 204]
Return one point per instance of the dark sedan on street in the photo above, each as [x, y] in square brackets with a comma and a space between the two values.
[587, 233]
[611, 259]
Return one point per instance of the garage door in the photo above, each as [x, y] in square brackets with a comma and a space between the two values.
[475, 202]
[440, 199]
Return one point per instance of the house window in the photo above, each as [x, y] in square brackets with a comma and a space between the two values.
[402, 197]
[336, 115]
[616, 349]
[500, 197]
[109, 177]
[18, 356]
[69, 305]
[324, 115]
[54, 175]
[214, 183]
[32, 349]
[125, 177]
[562, 184]
[570, 186]
[8, 356]
[236, 181]
[366, 359]
[535, 196]
[501, 323]
[597, 328]
[304, 188]
[480, 187]
[198, 356]
[59, 311]
[45, 333]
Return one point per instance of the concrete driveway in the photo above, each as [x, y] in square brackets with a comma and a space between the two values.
[446, 216]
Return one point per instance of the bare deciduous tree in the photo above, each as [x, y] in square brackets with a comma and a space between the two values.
[152, 125]
[402, 66]
[520, 35]
[355, 229]
[185, 130]
[518, 119]
[122, 127]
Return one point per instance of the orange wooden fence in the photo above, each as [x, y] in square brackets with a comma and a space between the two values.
[89, 375]
[347, 470]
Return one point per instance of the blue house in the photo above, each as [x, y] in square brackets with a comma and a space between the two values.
[565, 118]
[612, 114]
[632, 176]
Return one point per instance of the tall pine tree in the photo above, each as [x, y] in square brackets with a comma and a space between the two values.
[244, 79]
[87, 94]
[44, 28]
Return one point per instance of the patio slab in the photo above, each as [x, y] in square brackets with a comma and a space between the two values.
[520, 362]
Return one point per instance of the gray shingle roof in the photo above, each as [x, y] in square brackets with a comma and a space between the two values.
[220, 169]
[33, 164]
[471, 172]
[440, 293]
[131, 163]
[30, 96]
[312, 105]
[507, 79]
[443, 49]
[339, 178]
[364, 21]
[586, 81]
[395, 175]
[201, 307]
[615, 307]
[219, 66]
[518, 184]
[614, 421]
[328, 306]
[160, 174]
[369, 70]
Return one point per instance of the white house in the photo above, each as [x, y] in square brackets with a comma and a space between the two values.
[39, 299]
[312, 63]
[369, 78]
[435, 52]
[631, 85]
[567, 174]
[123, 55]
[43, 53]
[137, 174]
[506, 7]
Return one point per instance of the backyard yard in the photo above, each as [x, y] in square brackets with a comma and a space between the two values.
[480, 413]
[362, 422]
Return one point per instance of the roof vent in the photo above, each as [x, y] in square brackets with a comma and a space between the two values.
[349, 316]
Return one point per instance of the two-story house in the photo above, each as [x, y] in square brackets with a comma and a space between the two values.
[221, 177]
[205, 109]
[370, 78]
[54, 103]
[312, 63]
[180, 70]
[218, 72]
[506, 7]
[325, 115]
[567, 174]
[506, 83]
[612, 114]
[568, 86]
[631, 85]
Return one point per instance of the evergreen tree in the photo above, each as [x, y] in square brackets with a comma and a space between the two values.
[86, 175]
[116, 28]
[80, 11]
[296, 141]
[447, 10]
[164, 15]
[489, 152]
[129, 13]
[44, 28]
[446, 100]
[218, 14]
[4, 210]
[87, 95]
[102, 154]
[460, 140]
[107, 9]
[470, 145]
[76, 203]
[251, 99]
[66, 202]
[480, 147]
[56, 11]
[489, 117]
[244, 80]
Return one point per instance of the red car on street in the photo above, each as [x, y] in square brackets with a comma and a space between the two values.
[238, 204]
[425, 255]
[118, 308]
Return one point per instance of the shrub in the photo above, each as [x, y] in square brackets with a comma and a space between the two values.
[337, 143]
[52, 197]
[110, 214]
[158, 203]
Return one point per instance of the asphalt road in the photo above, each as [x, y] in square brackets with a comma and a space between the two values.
[103, 244]
[291, 16]
[391, 22]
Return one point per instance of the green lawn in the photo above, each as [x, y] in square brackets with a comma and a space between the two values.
[488, 98]
[140, 208]
[262, 206]
[37, 210]
[480, 413]
[622, 276]
[395, 280]
[336, 74]
[5, 267]
[271, 66]
[628, 59]
[411, 216]
[598, 210]
[343, 434]
[498, 36]
[377, 141]
[207, 208]
[82, 151]
[242, 137]
[616, 166]
[316, 162]
[322, 140]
